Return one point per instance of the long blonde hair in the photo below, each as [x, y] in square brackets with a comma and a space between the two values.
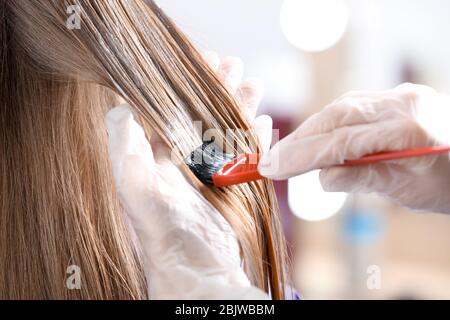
[58, 206]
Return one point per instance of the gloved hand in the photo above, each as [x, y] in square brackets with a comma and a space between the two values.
[189, 249]
[362, 123]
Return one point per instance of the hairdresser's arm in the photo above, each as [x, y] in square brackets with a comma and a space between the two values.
[362, 123]
[189, 249]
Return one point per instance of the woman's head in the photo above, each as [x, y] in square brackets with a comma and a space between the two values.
[58, 204]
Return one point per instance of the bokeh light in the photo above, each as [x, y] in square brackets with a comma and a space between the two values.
[308, 201]
[314, 25]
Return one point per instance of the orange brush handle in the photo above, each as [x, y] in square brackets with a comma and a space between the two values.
[242, 169]
[397, 155]
[245, 167]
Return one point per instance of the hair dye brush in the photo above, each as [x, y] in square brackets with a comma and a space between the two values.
[216, 168]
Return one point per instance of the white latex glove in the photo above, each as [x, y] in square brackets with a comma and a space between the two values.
[190, 251]
[362, 123]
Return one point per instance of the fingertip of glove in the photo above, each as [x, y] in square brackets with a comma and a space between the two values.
[212, 58]
[231, 70]
[119, 114]
[268, 166]
[264, 119]
[231, 62]
[253, 86]
[263, 165]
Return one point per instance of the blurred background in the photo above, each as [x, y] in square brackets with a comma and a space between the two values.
[308, 52]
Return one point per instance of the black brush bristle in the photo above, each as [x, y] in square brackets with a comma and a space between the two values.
[207, 160]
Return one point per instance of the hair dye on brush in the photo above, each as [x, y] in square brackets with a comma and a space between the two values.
[207, 160]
